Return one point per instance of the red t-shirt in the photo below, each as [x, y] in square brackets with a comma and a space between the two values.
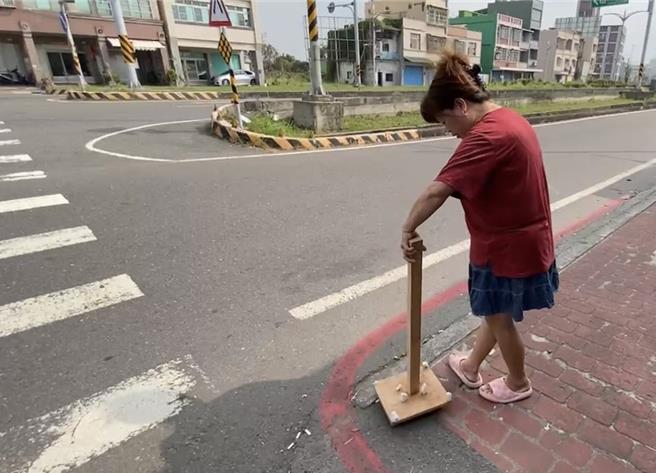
[498, 175]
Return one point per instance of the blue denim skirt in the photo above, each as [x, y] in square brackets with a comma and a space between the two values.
[490, 294]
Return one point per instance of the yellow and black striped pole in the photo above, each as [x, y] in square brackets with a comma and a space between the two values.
[127, 49]
[315, 59]
[71, 43]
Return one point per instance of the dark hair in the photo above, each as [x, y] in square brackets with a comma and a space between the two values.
[454, 79]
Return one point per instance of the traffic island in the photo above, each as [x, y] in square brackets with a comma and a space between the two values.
[223, 125]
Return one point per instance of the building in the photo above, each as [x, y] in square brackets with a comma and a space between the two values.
[193, 44]
[422, 36]
[33, 41]
[587, 26]
[530, 12]
[465, 41]
[559, 55]
[585, 9]
[609, 52]
[502, 44]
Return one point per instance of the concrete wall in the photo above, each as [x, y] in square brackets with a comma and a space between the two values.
[391, 104]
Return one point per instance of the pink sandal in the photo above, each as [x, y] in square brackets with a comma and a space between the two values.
[454, 361]
[500, 393]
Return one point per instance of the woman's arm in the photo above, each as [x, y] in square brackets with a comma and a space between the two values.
[428, 202]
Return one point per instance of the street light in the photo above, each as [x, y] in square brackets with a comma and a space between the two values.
[354, 8]
[623, 17]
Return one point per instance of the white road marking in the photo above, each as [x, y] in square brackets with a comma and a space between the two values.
[15, 158]
[9, 142]
[22, 176]
[47, 308]
[45, 241]
[74, 434]
[330, 301]
[91, 145]
[32, 203]
[5, 130]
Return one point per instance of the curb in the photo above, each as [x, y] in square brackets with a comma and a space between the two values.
[224, 130]
[138, 96]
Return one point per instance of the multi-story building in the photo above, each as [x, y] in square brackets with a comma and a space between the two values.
[559, 55]
[466, 42]
[502, 44]
[530, 12]
[609, 52]
[422, 35]
[193, 44]
[33, 41]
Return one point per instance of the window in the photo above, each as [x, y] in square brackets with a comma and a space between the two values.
[389, 77]
[576, 47]
[610, 48]
[503, 33]
[459, 46]
[471, 49]
[61, 64]
[436, 16]
[568, 45]
[194, 65]
[239, 16]
[131, 8]
[566, 63]
[79, 6]
[191, 11]
[613, 38]
[559, 62]
[415, 41]
[349, 75]
[435, 44]
[386, 47]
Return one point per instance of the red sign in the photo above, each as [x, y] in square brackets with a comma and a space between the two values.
[219, 14]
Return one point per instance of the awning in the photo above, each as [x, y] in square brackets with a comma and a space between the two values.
[139, 44]
[517, 69]
[420, 60]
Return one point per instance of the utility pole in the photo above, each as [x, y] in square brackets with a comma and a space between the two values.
[127, 49]
[315, 51]
[63, 17]
[356, 28]
[644, 46]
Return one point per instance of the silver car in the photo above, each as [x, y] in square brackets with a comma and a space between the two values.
[243, 77]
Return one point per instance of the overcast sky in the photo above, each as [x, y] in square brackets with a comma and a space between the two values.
[282, 21]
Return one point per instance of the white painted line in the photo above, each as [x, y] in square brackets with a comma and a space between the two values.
[22, 176]
[331, 301]
[74, 434]
[9, 142]
[5, 130]
[47, 308]
[15, 158]
[45, 241]
[91, 145]
[32, 203]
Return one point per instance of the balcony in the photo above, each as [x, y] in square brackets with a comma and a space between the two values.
[388, 55]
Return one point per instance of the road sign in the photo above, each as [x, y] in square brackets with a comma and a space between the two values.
[608, 3]
[219, 14]
[225, 50]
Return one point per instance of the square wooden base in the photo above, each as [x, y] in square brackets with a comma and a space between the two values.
[397, 411]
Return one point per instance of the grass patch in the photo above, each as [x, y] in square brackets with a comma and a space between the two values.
[262, 123]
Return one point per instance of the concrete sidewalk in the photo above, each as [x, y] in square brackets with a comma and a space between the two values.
[592, 361]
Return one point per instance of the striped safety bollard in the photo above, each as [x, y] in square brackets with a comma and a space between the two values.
[313, 26]
[233, 87]
[127, 49]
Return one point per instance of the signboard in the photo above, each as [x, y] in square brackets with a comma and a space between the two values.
[219, 14]
[225, 50]
[608, 3]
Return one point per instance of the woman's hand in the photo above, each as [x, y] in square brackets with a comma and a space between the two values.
[409, 253]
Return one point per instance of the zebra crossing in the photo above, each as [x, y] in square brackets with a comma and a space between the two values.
[73, 434]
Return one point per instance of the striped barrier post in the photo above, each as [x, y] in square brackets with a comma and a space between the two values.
[127, 49]
[315, 58]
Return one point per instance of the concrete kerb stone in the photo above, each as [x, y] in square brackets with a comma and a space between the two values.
[224, 130]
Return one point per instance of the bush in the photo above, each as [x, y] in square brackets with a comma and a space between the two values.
[171, 77]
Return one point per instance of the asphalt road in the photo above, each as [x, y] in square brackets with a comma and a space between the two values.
[223, 242]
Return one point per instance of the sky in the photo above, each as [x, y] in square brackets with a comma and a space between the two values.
[282, 22]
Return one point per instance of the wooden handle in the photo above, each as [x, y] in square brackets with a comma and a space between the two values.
[414, 316]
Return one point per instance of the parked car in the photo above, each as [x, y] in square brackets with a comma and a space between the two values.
[243, 78]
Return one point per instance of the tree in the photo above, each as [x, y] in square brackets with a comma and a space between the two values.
[269, 56]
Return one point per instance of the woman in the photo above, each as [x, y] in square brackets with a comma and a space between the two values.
[498, 175]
